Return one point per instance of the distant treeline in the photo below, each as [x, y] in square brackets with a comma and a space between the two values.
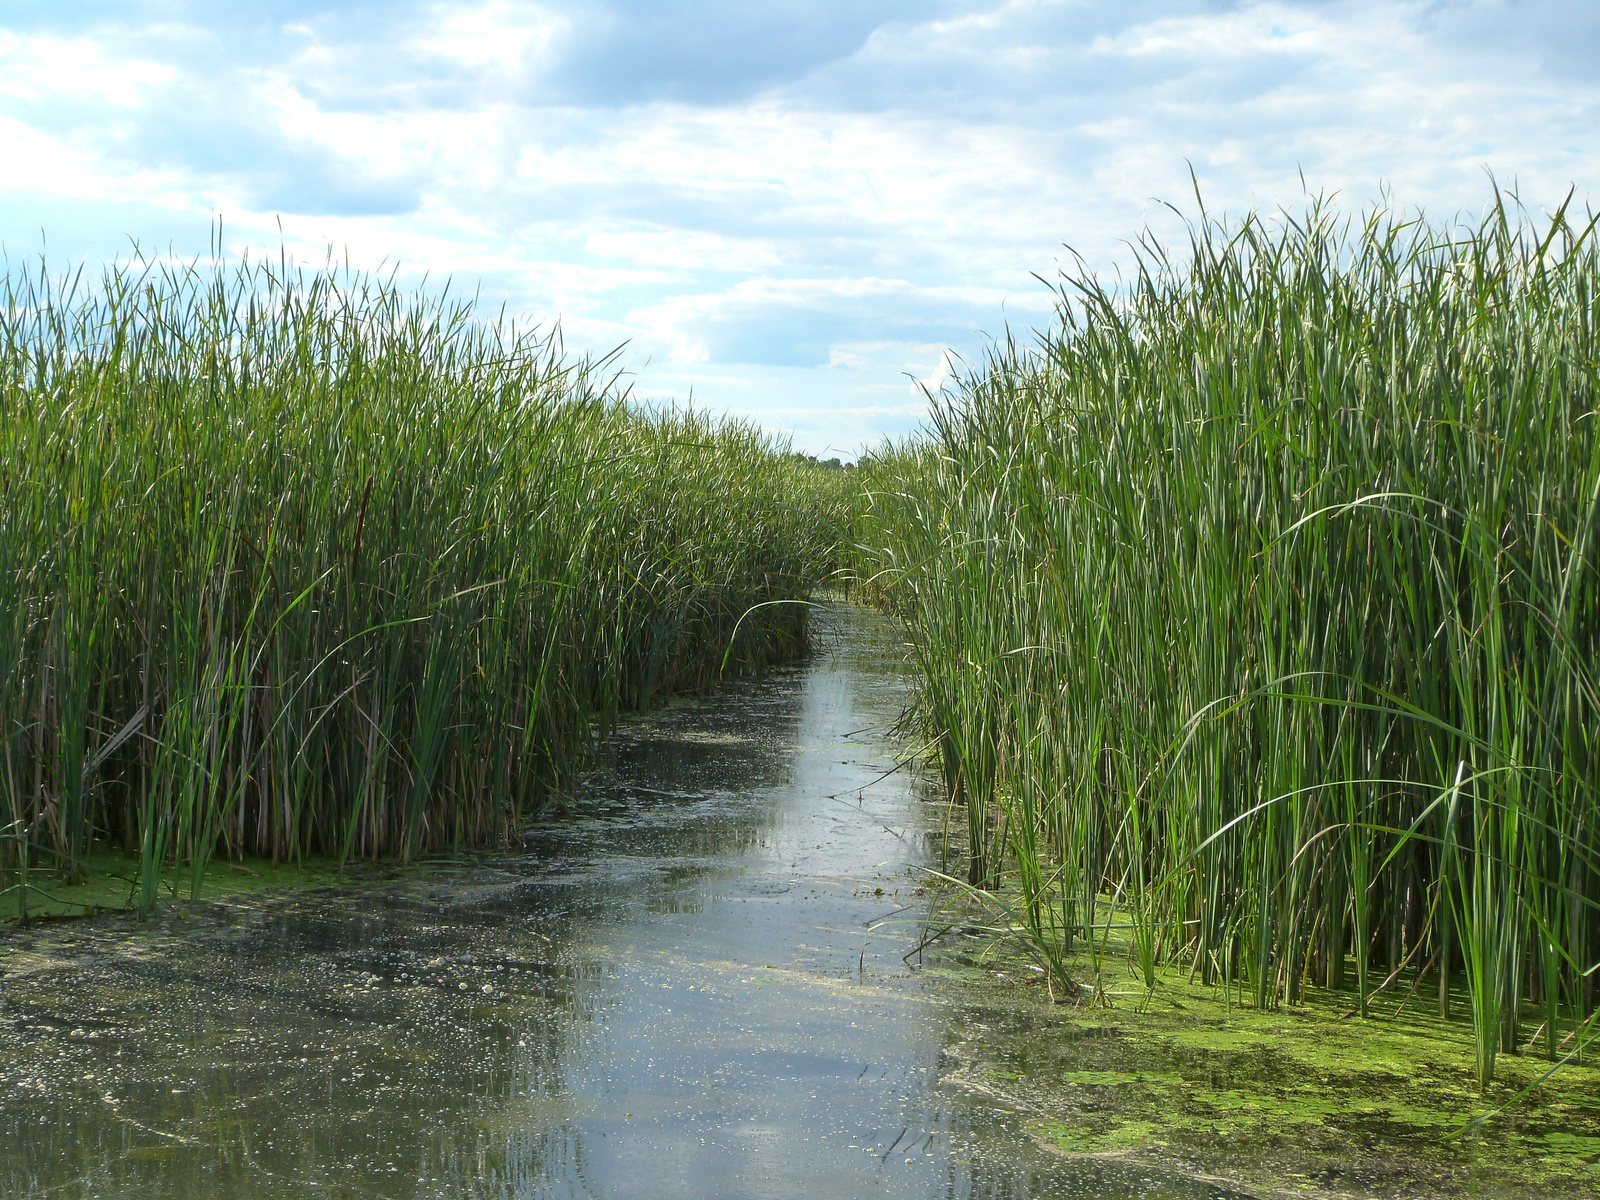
[295, 563]
[1258, 596]
[827, 464]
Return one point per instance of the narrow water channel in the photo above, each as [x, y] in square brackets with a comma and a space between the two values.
[682, 987]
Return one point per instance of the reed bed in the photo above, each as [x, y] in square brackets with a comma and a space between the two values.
[1255, 606]
[296, 563]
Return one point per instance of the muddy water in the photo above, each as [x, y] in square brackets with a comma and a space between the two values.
[684, 986]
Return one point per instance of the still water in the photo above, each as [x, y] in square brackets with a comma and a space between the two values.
[690, 984]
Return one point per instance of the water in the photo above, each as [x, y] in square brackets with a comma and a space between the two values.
[693, 984]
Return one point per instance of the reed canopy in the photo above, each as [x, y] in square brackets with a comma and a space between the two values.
[1258, 597]
[296, 562]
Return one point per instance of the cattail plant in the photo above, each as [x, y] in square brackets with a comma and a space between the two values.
[294, 562]
[1258, 595]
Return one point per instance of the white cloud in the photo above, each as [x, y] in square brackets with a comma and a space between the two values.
[947, 369]
[684, 248]
[49, 166]
[810, 237]
[500, 34]
[40, 68]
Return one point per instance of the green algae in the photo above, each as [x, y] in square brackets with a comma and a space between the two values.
[109, 883]
[1308, 1099]
[1115, 1078]
[160, 1152]
[1104, 1139]
[1573, 1151]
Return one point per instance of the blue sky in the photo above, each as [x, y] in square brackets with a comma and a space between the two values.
[791, 210]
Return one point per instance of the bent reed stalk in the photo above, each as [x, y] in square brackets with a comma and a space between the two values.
[1258, 598]
[295, 563]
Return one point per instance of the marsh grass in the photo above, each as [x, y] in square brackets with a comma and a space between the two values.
[1258, 596]
[294, 563]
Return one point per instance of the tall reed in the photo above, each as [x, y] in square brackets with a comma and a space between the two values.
[294, 562]
[1259, 595]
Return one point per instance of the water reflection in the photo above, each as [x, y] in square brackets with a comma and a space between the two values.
[673, 990]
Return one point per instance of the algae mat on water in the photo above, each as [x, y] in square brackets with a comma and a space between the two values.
[110, 883]
[1306, 1100]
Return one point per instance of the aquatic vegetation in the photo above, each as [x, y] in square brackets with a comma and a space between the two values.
[1257, 598]
[1301, 1099]
[293, 562]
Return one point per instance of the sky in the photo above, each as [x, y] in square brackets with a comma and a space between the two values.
[803, 213]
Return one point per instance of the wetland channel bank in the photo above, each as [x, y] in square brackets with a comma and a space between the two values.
[691, 983]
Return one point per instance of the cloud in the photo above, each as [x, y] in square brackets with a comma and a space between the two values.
[34, 66]
[791, 203]
[628, 52]
[804, 322]
[498, 35]
[944, 372]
